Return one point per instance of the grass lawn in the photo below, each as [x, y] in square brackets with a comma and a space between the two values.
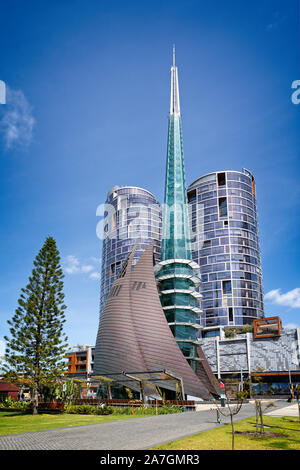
[220, 438]
[15, 422]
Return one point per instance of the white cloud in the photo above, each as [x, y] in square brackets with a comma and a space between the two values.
[94, 275]
[87, 268]
[17, 121]
[72, 265]
[95, 260]
[289, 299]
[2, 347]
[291, 326]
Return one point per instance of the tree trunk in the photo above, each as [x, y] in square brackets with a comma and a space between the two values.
[261, 419]
[142, 393]
[256, 417]
[35, 401]
[232, 431]
[109, 392]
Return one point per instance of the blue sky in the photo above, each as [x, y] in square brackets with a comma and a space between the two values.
[87, 107]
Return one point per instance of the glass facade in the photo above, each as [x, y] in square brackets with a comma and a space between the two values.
[177, 274]
[225, 243]
[131, 215]
[176, 234]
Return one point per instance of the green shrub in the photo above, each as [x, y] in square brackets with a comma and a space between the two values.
[232, 332]
[88, 410]
[229, 332]
[122, 410]
[126, 410]
[105, 410]
[13, 404]
[169, 409]
[79, 409]
[150, 411]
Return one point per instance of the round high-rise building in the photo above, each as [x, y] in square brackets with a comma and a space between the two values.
[225, 243]
[131, 215]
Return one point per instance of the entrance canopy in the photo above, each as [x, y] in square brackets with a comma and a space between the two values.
[145, 381]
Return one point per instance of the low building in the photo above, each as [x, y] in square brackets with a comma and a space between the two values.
[81, 366]
[269, 355]
[81, 360]
[8, 390]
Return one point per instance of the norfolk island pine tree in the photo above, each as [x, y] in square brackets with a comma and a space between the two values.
[35, 351]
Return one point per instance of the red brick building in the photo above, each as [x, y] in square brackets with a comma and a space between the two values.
[8, 390]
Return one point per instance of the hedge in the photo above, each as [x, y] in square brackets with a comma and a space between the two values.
[106, 410]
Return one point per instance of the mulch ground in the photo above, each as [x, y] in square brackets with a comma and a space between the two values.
[262, 435]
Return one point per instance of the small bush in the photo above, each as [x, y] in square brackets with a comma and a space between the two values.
[79, 409]
[126, 410]
[13, 404]
[148, 411]
[122, 410]
[88, 410]
[169, 409]
[232, 332]
[105, 410]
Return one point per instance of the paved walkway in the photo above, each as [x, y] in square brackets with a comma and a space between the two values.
[133, 434]
[291, 410]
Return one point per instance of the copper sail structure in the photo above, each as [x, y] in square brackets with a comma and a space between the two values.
[134, 334]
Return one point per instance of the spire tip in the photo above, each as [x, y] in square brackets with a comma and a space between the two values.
[174, 100]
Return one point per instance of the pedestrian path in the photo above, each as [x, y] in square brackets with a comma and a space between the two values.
[291, 410]
[132, 434]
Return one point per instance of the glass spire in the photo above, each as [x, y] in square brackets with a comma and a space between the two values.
[176, 231]
[177, 273]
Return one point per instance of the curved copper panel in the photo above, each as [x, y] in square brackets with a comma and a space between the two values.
[134, 334]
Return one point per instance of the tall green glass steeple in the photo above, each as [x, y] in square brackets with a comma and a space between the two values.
[176, 233]
[177, 273]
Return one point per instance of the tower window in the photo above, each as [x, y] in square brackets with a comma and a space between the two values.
[191, 196]
[230, 314]
[114, 266]
[226, 286]
[221, 179]
[223, 207]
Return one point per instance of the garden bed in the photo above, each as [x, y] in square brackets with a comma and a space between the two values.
[266, 434]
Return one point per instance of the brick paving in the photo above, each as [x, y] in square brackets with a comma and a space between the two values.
[133, 434]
